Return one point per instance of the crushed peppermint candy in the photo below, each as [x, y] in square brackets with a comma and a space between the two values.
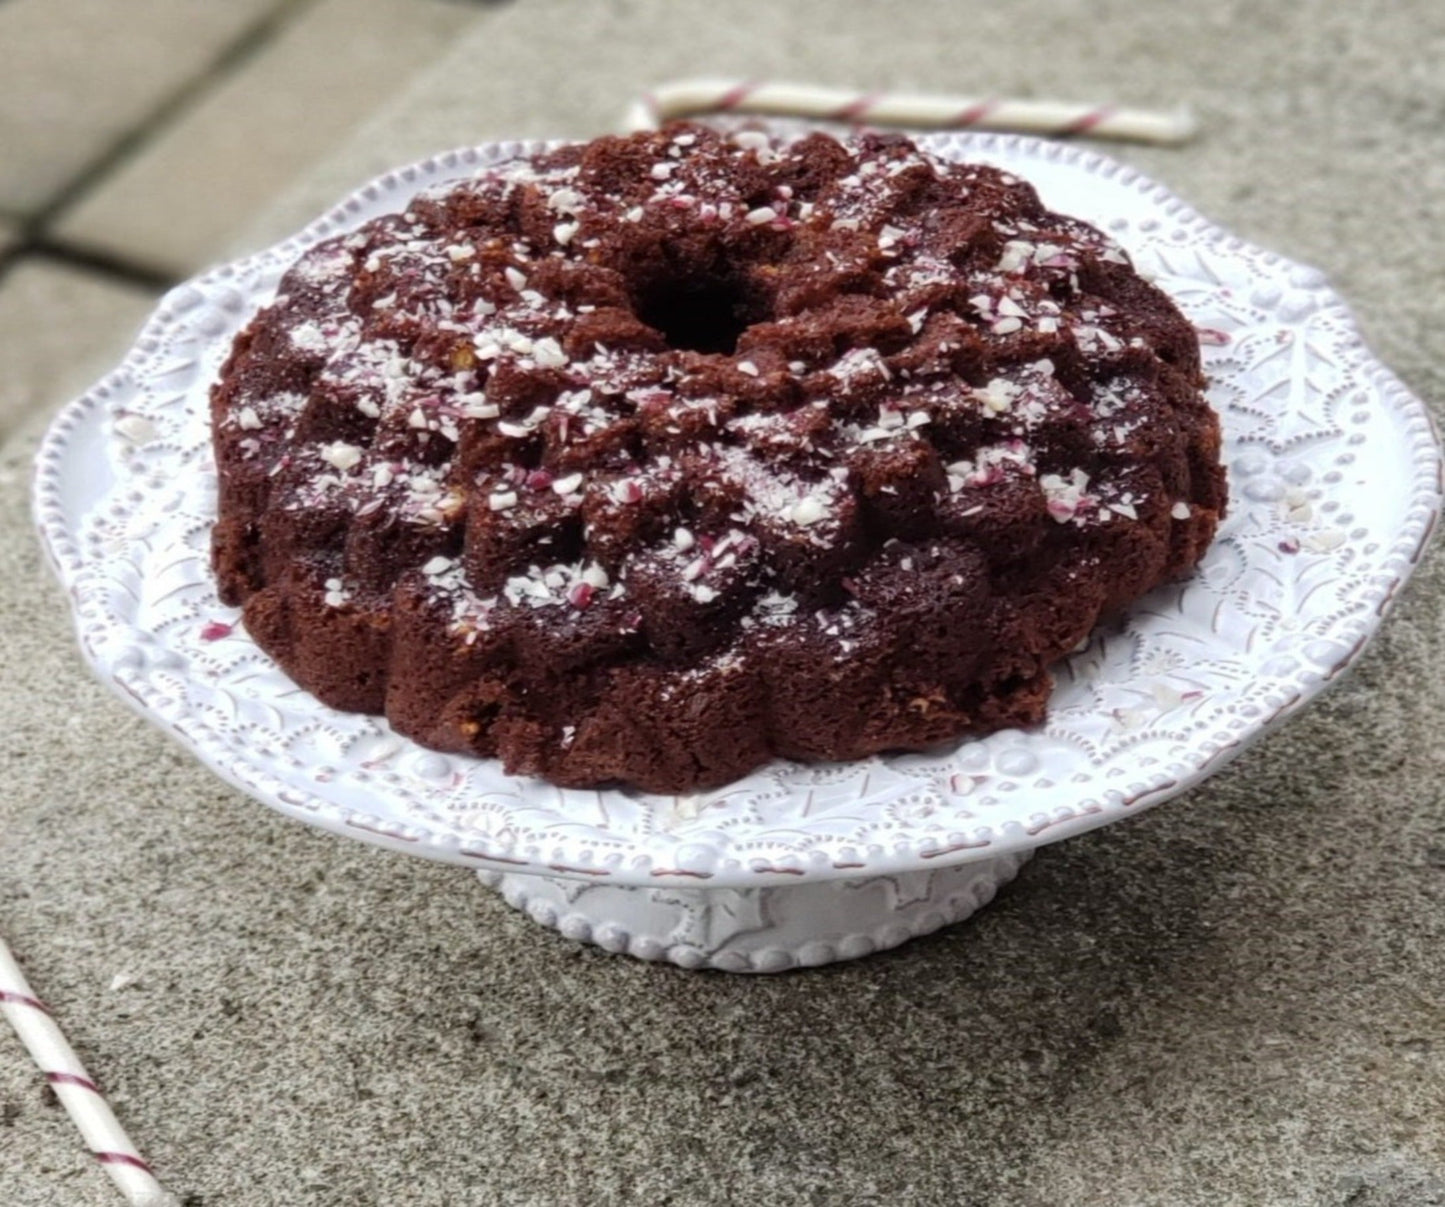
[579, 585]
[548, 354]
[989, 465]
[1066, 498]
[565, 200]
[476, 406]
[341, 455]
[310, 337]
[998, 396]
[569, 485]
[809, 511]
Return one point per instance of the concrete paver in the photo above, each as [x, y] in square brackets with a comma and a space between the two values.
[76, 76]
[176, 203]
[60, 329]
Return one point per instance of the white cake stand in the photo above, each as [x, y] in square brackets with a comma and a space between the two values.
[1335, 476]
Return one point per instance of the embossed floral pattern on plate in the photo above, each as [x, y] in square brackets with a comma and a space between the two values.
[1335, 482]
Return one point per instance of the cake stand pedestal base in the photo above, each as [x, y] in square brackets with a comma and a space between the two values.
[759, 929]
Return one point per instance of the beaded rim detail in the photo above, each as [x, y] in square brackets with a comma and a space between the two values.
[1336, 486]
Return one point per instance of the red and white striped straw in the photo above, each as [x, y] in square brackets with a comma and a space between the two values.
[1057, 119]
[77, 1092]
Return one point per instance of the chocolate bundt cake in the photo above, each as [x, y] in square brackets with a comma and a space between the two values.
[645, 460]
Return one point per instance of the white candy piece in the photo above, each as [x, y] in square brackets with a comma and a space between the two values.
[809, 511]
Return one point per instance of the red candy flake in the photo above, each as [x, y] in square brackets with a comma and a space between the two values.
[580, 596]
[539, 479]
[214, 630]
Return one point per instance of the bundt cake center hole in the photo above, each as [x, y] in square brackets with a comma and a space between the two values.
[696, 316]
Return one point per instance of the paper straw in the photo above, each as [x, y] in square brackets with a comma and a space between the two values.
[1058, 119]
[80, 1095]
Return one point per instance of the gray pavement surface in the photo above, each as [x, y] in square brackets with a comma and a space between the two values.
[1234, 999]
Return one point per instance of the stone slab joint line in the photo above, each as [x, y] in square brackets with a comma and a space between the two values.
[80, 1096]
[1057, 119]
[167, 108]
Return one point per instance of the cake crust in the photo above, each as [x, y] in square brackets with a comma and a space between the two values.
[652, 458]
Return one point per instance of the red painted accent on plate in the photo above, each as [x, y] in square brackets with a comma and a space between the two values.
[1425, 539]
[1340, 667]
[521, 863]
[948, 850]
[214, 630]
[356, 825]
[562, 867]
